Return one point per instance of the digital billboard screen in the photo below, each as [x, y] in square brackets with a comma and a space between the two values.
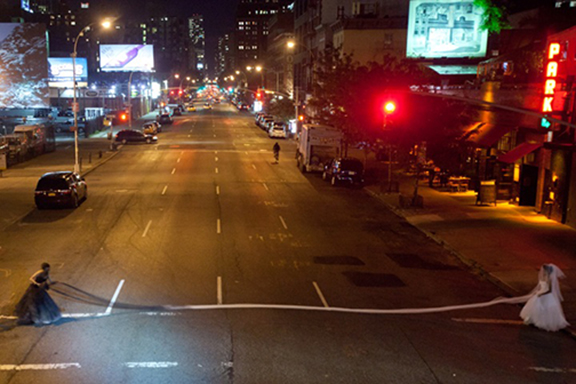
[126, 58]
[445, 28]
[60, 71]
[23, 66]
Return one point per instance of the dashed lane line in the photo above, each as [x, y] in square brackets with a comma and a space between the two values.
[219, 290]
[265, 186]
[147, 228]
[321, 295]
[114, 297]
[173, 170]
[164, 190]
[283, 222]
[218, 226]
[37, 367]
[151, 364]
[253, 166]
[216, 170]
[218, 190]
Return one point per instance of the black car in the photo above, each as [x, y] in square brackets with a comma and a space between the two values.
[132, 136]
[60, 189]
[347, 170]
[164, 118]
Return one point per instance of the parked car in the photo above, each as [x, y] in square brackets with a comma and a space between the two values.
[164, 118]
[277, 129]
[265, 122]
[60, 189]
[150, 128]
[132, 136]
[347, 170]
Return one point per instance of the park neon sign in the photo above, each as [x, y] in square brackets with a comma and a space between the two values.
[551, 72]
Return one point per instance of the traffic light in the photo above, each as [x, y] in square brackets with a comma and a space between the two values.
[259, 95]
[389, 107]
[300, 117]
[123, 117]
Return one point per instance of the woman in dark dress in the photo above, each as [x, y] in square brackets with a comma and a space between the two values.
[36, 306]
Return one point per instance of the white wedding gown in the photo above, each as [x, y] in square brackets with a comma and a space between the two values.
[544, 308]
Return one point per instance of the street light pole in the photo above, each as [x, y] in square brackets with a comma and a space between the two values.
[75, 107]
[130, 101]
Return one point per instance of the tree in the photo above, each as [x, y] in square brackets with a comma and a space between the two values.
[282, 108]
[495, 15]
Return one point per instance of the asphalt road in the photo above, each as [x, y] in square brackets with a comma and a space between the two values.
[204, 217]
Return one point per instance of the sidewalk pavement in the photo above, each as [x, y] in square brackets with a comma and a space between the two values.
[506, 243]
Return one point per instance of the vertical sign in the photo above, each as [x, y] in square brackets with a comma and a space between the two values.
[551, 75]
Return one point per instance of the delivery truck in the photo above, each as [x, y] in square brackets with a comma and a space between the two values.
[317, 146]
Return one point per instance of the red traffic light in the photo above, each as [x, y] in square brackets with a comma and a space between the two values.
[301, 117]
[258, 94]
[123, 116]
[389, 107]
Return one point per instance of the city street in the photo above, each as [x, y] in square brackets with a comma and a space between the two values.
[205, 217]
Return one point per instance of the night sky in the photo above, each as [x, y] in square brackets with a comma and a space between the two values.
[218, 15]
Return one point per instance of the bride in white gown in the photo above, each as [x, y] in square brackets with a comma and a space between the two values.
[544, 308]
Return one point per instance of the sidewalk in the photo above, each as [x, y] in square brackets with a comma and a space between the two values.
[507, 244]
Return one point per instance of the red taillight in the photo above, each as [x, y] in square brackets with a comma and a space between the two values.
[123, 117]
[66, 192]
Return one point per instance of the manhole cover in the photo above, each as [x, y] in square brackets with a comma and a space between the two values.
[364, 279]
[338, 260]
[411, 260]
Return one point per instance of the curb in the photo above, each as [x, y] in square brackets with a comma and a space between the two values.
[474, 266]
[101, 163]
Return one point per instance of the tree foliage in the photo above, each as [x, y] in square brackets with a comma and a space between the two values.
[495, 16]
[284, 108]
[351, 97]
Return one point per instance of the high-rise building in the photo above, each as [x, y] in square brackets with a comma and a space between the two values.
[197, 49]
[225, 58]
[251, 29]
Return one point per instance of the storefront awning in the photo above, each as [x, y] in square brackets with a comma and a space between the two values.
[519, 152]
[486, 135]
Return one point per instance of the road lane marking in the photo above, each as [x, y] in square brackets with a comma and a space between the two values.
[553, 370]
[178, 160]
[219, 290]
[283, 222]
[321, 295]
[253, 166]
[151, 364]
[217, 190]
[216, 158]
[114, 297]
[215, 152]
[214, 135]
[487, 321]
[164, 190]
[147, 228]
[216, 169]
[218, 226]
[7, 272]
[38, 367]
[265, 186]
[189, 136]
[173, 170]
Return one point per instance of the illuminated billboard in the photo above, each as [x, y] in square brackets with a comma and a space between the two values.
[60, 72]
[445, 28]
[23, 66]
[126, 58]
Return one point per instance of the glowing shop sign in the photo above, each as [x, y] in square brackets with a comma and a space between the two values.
[551, 75]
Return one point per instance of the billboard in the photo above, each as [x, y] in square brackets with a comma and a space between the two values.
[23, 66]
[445, 28]
[126, 58]
[60, 72]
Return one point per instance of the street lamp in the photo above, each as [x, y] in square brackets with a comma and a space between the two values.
[75, 108]
[259, 69]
